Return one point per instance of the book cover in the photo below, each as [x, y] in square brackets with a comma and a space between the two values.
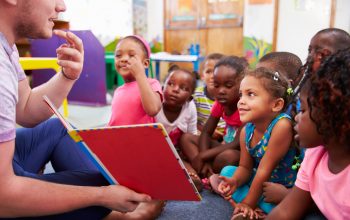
[140, 157]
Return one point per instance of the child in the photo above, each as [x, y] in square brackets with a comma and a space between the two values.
[178, 114]
[265, 142]
[323, 126]
[203, 153]
[204, 95]
[324, 43]
[139, 99]
[289, 65]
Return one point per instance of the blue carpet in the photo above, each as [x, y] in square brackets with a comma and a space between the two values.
[212, 206]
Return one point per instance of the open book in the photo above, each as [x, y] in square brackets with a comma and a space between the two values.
[140, 157]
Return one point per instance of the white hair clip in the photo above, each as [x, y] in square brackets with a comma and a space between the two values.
[276, 76]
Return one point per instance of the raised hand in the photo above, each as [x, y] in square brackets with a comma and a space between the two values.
[136, 67]
[70, 55]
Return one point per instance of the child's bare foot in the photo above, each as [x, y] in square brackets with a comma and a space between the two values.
[214, 181]
[196, 180]
[194, 176]
[145, 211]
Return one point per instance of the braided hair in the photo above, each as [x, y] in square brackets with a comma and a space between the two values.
[276, 84]
[329, 98]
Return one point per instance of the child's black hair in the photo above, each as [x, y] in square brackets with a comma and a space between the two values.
[192, 74]
[214, 56]
[233, 62]
[285, 63]
[173, 67]
[329, 98]
[276, 84]
[337, 39]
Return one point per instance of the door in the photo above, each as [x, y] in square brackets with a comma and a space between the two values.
[216, 25]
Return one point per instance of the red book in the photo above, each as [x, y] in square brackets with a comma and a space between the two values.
[140, 157]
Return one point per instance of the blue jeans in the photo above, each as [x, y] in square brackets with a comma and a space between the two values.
[242, 191]
[49, 141]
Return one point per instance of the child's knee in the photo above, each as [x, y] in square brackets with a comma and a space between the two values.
[228, 157]
[228, 171]
[187, 139]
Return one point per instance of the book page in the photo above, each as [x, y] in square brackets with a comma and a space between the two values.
[57, 113]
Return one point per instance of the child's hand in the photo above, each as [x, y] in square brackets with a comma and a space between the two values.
[246, 210]
[227, 187]
[207, 170]
[70, 56]
[136, 67]
[197, 163]
[274, 192]
[217, 134]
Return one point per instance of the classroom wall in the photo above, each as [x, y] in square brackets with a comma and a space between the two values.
[298, 22]
[342, 18]
[155, 20]
[258, 30]
[107, 19]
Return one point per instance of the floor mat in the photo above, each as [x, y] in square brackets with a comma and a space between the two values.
[212, 206]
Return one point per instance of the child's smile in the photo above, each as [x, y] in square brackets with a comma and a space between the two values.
[254, 100]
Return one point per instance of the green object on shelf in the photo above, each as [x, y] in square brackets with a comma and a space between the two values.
[110, 47]
[120, 80]
[113, 78]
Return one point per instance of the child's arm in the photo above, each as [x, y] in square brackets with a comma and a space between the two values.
[204, 142]
[216, 135]
[207, 132]
[151, 100]
[294, 206]
[214, 151]
[279, 144]
[274, 192]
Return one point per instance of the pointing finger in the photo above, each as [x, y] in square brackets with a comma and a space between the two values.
[71, 38]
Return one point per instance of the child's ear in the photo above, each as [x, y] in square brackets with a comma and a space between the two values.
[146, 63]
[278, 105]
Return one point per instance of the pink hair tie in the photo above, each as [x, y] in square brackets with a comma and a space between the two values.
[144, 42]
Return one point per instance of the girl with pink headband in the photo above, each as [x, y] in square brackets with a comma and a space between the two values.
[140, 98]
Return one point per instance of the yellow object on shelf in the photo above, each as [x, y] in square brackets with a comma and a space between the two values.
[34, 63]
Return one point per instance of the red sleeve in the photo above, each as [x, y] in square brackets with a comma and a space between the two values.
[217, 110]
